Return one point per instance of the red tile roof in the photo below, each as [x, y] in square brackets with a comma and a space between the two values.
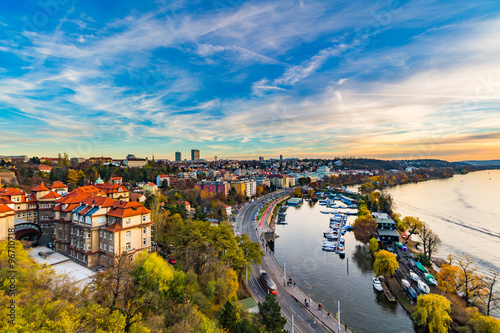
[51, 195]
[126, 209]
[5, 209]
[10, 191]
[58, 184]
[40, 188]
[5, 201]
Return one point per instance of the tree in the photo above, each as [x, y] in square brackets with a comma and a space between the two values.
[134, 288]
[447, 278]
[433, 311]
[297, 192]
[260, 189]
[365, 228]
[366, 188]
[385, 263]
[412, 224]
[430, 241]
[373, 245]
[251, 250]
[490, 299]
[470, 284]
[270, 315]
[246, 326]
[483, 324]
[228, 317]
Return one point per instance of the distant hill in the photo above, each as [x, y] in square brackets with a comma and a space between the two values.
[481, 163]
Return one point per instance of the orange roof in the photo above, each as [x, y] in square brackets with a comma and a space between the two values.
[151, 184]
[116, 178]
[10, 191]
[127, 209]
[5, 201]
[99, 201]
[163, 176]
[5, 209]
[70, 207]
[51, 195]
[117, 226]
[44, 167]
[58, 184]
[40, 188]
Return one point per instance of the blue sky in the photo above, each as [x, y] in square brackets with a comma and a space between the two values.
[242, 79]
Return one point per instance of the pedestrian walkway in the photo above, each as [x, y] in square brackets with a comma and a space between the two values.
[321, 315]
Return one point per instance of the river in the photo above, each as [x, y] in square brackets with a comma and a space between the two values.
[462, 210]
[362, 308]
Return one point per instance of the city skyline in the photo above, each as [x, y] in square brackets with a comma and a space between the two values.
[390, 80]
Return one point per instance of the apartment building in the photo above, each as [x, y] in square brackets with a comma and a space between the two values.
[95, 230]
[6, 221]
[214, 187]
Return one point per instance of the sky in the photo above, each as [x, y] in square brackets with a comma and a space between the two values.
[243, 79]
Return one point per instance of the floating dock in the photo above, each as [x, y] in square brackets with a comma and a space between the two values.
[294, 201]
[387, 292]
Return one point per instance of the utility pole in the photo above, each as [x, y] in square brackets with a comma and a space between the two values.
[339, 317]
[284, 274]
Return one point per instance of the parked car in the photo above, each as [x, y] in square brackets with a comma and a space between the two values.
[172, 261]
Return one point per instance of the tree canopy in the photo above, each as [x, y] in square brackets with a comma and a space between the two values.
[385, 263]
[433, 311]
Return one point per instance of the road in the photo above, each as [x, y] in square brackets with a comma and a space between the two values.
[303, 321]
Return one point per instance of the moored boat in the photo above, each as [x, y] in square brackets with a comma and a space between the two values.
[412, 293]
[414, 276]
[376, 284]
[431, 280]
[421, 267]
[405, 283]
[423, 287]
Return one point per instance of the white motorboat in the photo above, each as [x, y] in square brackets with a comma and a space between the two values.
[423, 287]
[405, 283]
[376, 284]
[414, 276]
[329, 246]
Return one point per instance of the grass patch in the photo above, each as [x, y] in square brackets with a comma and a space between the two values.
[4, 170]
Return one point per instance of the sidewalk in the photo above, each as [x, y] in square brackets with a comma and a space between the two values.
[276, 270]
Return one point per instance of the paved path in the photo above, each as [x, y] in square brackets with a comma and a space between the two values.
[291, 299]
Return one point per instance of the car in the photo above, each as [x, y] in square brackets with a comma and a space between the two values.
[172, 261]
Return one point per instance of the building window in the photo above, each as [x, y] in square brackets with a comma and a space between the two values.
[88, 234]
[29, 214]
[144, 241]
[105, 247]
[127, 221]
[18, 207]
[34, 213]
[100, 233]
[105, 235]
[144, 230]
[110, 236]
[127, 234]
[128, 246]
[111, 248]
[88, 246]
[100, 245]
[144, 218]
[131, 257]
[18, 215]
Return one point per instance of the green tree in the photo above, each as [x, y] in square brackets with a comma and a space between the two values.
[433, 311]
[483, 324]
[412, 224]
[270, 315]
[251, 250]
[365, 228]
[246, 326]
[373, 245]
[228, 317]
[385, 263]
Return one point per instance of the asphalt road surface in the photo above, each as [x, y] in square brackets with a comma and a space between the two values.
[302, 320]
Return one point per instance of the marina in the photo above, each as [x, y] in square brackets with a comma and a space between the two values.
[342, 273]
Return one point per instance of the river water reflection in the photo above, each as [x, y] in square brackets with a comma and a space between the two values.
[330, 278]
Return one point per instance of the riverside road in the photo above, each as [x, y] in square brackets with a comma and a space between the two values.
[291, 299]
